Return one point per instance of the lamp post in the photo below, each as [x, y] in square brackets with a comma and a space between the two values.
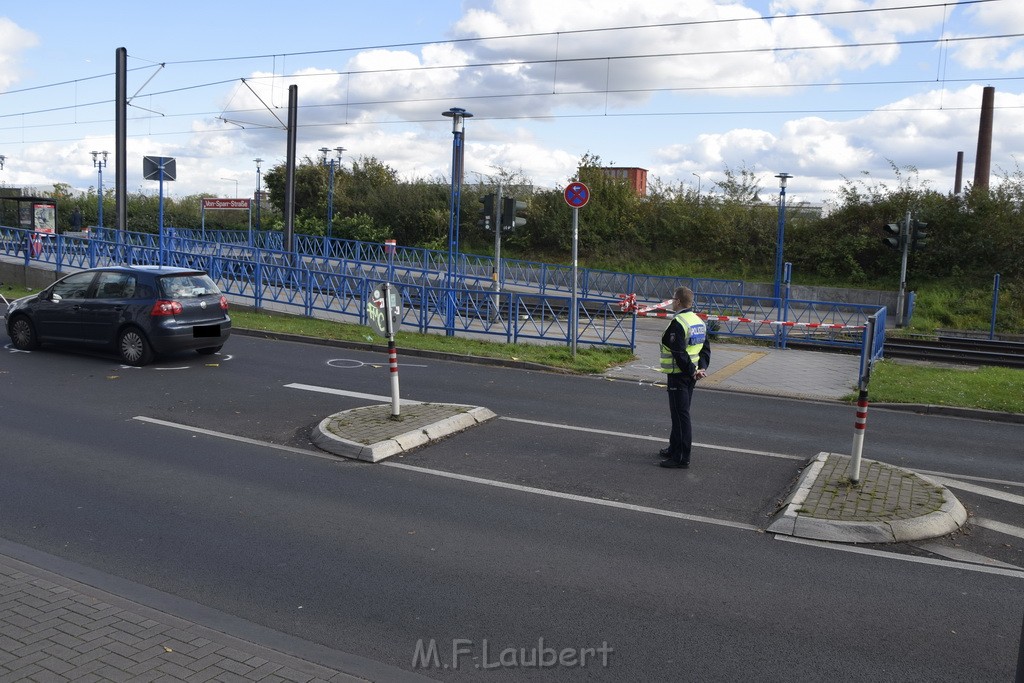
[780, 237]
[330, 185]
[99, 164]
[698, 186]
[258, 193]
[458, 117]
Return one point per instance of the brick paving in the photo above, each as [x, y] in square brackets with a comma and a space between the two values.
[884, 493]
[374, 423]
[55, 629]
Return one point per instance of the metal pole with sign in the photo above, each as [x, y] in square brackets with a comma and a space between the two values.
[576, 195]
[160, 169]
[384, 310]
[874, 339]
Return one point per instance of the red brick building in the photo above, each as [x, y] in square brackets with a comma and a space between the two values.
[635, 177]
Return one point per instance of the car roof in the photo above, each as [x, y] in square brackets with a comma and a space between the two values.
[152, 270]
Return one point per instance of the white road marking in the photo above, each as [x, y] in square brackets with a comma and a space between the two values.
[980, 490]
[462, 477]
[859, 550]
[350, 364]
[232, 437]
[999, 570]
[1001, 527]
[659, 439]
[351, 394]
[573, 497]
[986, 480]
[961, 555]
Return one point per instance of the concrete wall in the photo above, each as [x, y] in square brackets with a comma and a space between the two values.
[873, 297]
[33, 278]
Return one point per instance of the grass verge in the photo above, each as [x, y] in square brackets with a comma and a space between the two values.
[587, 360]
[985, 388]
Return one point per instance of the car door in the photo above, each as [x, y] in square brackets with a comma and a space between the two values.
[112, 295]
[62, 314]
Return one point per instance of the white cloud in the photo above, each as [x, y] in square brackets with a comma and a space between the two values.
[691, 95]
[14, 40]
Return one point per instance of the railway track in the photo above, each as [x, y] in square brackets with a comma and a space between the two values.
[959, 350]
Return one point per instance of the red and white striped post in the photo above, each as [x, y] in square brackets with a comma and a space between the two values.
[861, 422]
[859, 425]
[389, 330]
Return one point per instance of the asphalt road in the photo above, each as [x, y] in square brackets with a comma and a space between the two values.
[551, 527]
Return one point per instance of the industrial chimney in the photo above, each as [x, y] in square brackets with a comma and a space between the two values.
[983, 162]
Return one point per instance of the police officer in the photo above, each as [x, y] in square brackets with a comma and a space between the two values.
[685, 357]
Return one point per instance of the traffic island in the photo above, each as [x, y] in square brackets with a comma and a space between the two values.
[372, 433]
[888, 505]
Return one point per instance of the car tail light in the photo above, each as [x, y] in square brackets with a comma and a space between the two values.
[166, 307]
[223, 303]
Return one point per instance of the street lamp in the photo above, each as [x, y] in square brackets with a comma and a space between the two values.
[232, 180]
[458, 117]
[330, 185]
[698, 186]
[258, 193]
[780, 237]
[99, 164]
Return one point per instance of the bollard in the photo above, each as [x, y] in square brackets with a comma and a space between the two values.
[859, 425]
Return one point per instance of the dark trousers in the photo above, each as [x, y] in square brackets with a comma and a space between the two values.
[680, 440]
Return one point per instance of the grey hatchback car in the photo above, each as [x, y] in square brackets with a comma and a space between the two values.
[136, 311]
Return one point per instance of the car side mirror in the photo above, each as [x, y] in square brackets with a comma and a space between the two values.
[53, 296]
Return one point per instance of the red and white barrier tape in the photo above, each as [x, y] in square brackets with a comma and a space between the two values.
[628, 304]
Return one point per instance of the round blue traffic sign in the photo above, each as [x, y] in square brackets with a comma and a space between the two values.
[577, 195]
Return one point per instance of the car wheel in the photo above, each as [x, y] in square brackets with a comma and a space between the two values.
[209, 351]
[133, 347]
[23, 333]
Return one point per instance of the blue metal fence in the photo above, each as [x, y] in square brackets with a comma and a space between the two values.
[333, 278]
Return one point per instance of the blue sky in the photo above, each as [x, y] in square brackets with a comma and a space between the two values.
[826, 90]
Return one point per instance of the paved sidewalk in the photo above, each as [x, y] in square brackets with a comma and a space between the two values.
[54, 628]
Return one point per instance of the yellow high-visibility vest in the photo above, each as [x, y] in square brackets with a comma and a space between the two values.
[696, 332]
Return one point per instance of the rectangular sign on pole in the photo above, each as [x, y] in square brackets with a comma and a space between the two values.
[159, 168]
[212, 203]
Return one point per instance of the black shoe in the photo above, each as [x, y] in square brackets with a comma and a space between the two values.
[675, 464]
[664, 453]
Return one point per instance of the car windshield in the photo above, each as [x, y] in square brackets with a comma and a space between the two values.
[186, 286]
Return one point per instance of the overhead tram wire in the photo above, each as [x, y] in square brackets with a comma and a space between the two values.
[350, 104]
[619, 58]
[574, 60]
[542, 34]
[702, 22]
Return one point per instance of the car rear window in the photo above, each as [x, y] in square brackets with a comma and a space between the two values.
[187, 285]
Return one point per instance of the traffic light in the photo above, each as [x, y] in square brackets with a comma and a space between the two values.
[896, 241]
[918, 237]
[509, 207]
[487, 212]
